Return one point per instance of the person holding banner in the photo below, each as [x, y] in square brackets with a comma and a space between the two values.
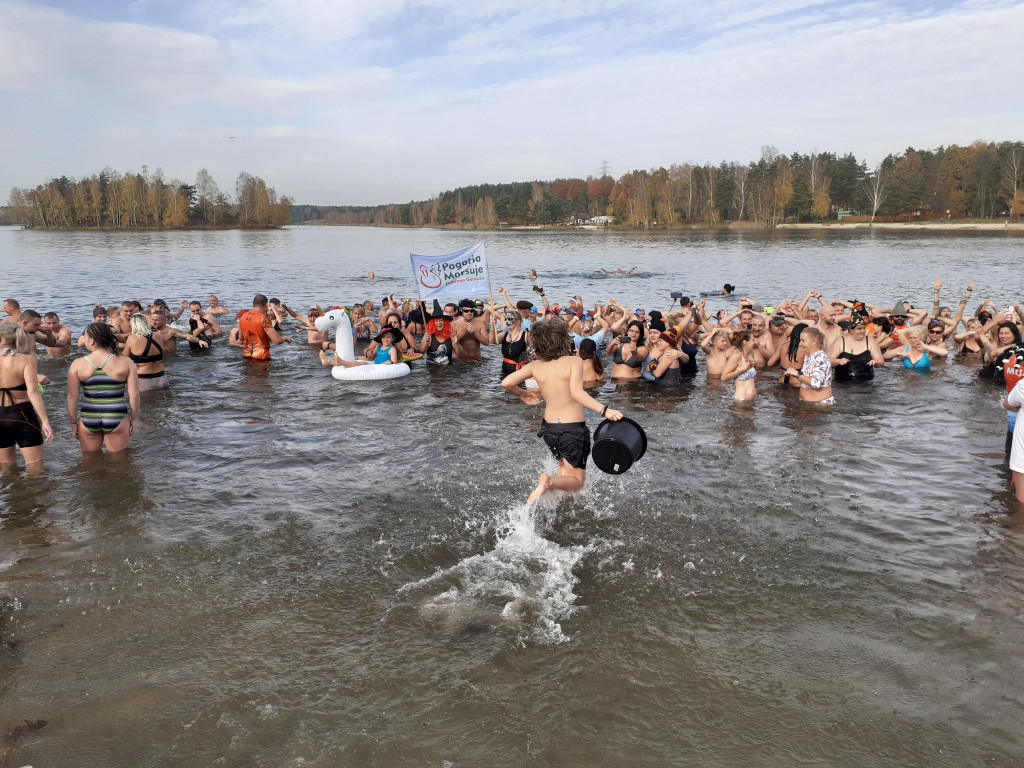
[559, 374]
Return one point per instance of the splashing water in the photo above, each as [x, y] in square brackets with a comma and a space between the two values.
[525, 583]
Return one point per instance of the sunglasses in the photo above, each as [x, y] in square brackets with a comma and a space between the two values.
[934, 330]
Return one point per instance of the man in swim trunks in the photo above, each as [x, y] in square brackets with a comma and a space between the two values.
[61, 336]
[468, 333]
[559, 374]
[258, 332]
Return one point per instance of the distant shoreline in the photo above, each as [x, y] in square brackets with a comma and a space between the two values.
[963, 225]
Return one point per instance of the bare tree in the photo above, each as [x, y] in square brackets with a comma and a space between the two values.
[874, 188]
[740, 174]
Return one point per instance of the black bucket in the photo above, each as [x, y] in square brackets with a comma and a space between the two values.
[617, 444]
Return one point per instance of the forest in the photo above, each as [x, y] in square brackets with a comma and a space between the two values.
[983, 181]
[112, 200]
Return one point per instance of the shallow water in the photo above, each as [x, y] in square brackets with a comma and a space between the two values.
[287, 570]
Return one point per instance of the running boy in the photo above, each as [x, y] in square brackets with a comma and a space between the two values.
[559, 374]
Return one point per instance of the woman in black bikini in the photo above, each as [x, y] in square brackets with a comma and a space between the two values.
[23, 419]
[628, 352]
[143, 350]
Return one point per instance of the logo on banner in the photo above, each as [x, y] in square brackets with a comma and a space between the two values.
[429, 279]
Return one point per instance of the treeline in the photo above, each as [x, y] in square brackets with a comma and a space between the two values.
[983, 180]
[111, 200]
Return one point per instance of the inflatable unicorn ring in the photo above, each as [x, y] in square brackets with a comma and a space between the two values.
[339, 320]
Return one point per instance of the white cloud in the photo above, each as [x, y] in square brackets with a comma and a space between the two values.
[357, 103]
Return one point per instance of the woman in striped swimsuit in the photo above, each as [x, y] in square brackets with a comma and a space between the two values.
[109, 385]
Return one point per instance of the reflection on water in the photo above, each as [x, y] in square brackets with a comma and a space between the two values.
[289, 570]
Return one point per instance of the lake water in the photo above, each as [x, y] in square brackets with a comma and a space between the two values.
[287, 570]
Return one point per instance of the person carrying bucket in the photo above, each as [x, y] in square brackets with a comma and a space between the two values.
[559, 374]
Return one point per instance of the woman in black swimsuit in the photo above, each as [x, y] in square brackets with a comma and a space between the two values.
[514, 341]
[23, 419]
[143, 350]
[858, 352]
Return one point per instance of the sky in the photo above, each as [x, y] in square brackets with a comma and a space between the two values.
[360, 102]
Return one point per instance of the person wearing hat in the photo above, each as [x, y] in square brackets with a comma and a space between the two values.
[386, 352]
[559, 375]
[99, 315]
[436, 345]
[662, 367]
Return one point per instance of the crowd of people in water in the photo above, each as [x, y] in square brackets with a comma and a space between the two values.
[812, 344]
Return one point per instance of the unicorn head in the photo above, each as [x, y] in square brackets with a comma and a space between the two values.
[332, 319]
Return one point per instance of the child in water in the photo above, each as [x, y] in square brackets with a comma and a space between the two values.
[559, 374]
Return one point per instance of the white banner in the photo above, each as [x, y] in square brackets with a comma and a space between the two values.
[460, 275]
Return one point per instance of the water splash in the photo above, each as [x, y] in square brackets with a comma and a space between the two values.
[524, 584]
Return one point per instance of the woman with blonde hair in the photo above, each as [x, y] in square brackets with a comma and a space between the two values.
[147, 354]
[815, 376]
[23, 419]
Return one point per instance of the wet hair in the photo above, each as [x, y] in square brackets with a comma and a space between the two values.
[736, 338]
[588, 351]
[814, 333]
[259, 300]
[551, 339]
[30, 315]
[140, 325]
[1013, 329]
[13, 303]
[276, 302]
[103, 336]
[884, 323]
[794, 340]
[13, 336]
[196, 304]
[729, 288]
[50, 316]
[643, 331]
